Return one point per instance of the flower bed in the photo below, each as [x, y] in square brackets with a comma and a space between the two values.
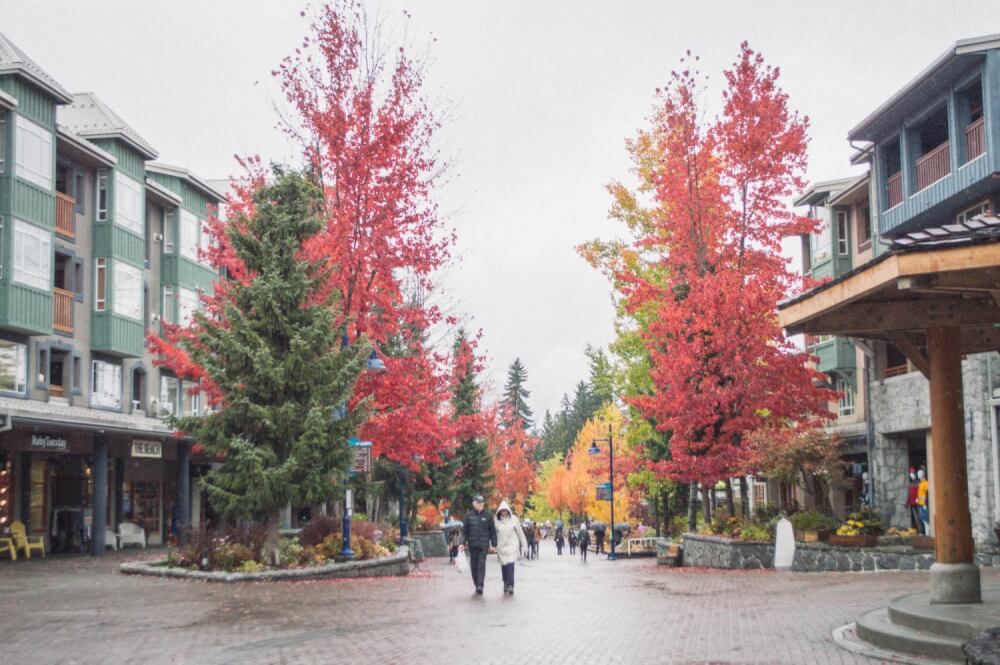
[394, 565]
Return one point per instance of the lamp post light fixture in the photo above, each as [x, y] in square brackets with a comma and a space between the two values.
[375, 365]
[595, 450]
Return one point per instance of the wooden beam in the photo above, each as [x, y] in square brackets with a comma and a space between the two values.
[968, 257]
[864, 319]
[914, 353]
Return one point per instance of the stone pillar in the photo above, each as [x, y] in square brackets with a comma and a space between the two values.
[100, 476]
[954, 576]
[183, 490]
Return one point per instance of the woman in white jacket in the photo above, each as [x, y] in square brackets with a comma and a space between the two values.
[510, 542]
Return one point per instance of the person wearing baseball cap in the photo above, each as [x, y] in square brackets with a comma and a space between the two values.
[480, 533]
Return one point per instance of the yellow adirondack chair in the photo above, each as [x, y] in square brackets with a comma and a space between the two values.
[24, 542]
[7, 545]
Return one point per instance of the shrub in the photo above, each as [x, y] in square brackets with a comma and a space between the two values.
[365, 549]
[767, 512]
[811, 521]
[289, 552]
[250, 567]
[755, 533]
[318, 529]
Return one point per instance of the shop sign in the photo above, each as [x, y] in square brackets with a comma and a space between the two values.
[48, 443]
[142, 448]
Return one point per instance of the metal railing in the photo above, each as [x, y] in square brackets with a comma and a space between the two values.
[933, 166]
[62, 314]
[895, 185]
[975, 139]
[65, 207]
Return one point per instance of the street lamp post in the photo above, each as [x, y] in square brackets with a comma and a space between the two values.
[376, 366]
[594, 450]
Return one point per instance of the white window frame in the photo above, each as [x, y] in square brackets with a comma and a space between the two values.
[101, 196]
[167, 304]
[3, 141]
[128, 204]
[166, 405]
[188, 302]
[204, 244]
[105, 384]
[846, 398]
[100, 285]
[981, 208]
[820, 239]
[20, 368]
[38, 276]
[189, 235]
[843, 233]
[127, 291]
[33, 153]
[168, 231]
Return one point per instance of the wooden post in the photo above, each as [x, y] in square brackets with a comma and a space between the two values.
[954, 578]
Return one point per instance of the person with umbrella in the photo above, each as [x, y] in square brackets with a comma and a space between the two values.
[583, 540]
[600, 528]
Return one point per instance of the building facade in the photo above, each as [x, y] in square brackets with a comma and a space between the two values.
[933, 153]
[99, 244]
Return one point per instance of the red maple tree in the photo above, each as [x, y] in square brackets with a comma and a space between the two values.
[721, 366]
[512, 450]
[359, 113]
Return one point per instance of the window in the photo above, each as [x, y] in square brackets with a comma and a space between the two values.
[3, 141]
[34, 153]
[821, 237]
[80, 191]
[106, 384]
[32, 255]
[13, 367]
[128, 203]
[167, 306]
[128, 291]
[101, 280]
[204, 245]
[168, 232]
[981, 208]
[191, 401]
[168, 394]
[189, 235]
[188, 303]
[843, 249]
[846, 398]
[77, 369]
[102, 195]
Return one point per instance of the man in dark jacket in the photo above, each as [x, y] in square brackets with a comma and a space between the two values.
[480, 535]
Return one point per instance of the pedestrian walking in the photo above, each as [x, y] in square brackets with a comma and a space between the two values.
[529, 533]
[510, 541]
[480, 533]
[560, 541]
[583, 541]
[599, 531]
[454, 540]
[537, 542]
[572, 540]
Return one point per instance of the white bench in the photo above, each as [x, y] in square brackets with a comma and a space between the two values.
[129, 532]
[645, 543]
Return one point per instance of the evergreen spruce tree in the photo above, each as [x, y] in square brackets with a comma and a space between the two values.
[277, 361]
[515, 395]
[470, 468]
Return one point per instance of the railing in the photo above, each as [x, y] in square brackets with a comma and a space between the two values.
[65, 207]
[895, 184]
[62, 315]
[57, 391]
[933, 166]
[898, 370]
[975, 139]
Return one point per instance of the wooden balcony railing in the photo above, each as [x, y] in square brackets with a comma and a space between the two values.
[62, 315]
[57, 391]
[897, 370]
[975, 139]
[65, 207]
[933, 166]
[895, 184]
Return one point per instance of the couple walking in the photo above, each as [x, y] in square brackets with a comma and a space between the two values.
[484, 533]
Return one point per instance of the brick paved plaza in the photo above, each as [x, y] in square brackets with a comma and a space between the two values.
[79, 610]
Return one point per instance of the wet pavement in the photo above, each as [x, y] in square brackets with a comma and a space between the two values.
[81, 610]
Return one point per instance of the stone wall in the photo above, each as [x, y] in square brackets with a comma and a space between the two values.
[901, 406]
[821, 557]
[431, 542]
[717, 552]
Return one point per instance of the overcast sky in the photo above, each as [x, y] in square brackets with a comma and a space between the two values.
[542, 96]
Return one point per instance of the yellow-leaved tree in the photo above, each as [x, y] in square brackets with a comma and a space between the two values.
[586, 471]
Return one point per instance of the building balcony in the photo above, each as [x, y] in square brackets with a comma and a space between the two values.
[933, 166]
[895, 189]
[62, 311]
[975, 139]
[65, 215]
[835, 355]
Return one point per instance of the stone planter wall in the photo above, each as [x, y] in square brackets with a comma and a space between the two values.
[395, 565]
[822, 557]
[718, 552]
[432, 542]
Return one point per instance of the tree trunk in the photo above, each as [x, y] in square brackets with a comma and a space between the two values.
[273, 536]
[708, 501]
[656, 512]
[693, 507]
[667, 517]
[744, 497]
[730, 506]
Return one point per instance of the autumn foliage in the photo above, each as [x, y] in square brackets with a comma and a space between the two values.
[512, 451]
[704, 271]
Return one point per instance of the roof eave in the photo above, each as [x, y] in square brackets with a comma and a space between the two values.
[185, 174]
[162, 192]
[61, 95]
[7, 101]
[83, 145]
[146, 151]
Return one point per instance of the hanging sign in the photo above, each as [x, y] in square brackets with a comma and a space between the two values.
[42, 442]
[151, 449]
[604, 492]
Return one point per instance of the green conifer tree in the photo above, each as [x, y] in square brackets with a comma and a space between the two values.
[471, 465]
[279, 365]
[515, 395]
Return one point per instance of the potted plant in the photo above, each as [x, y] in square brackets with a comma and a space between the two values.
[812, 526]
[860, 530]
